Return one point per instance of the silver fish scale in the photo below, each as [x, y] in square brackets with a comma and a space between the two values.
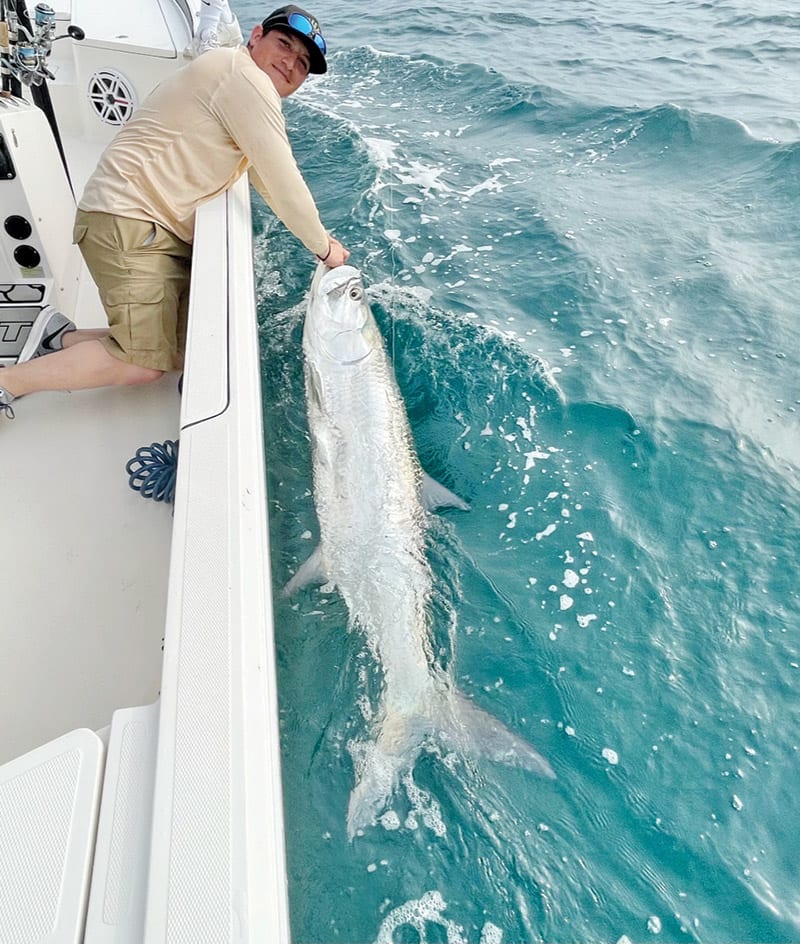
[365, 471]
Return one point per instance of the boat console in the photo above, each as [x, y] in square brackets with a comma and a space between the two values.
[38, 264]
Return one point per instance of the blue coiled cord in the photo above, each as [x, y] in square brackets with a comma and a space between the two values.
[153, 469]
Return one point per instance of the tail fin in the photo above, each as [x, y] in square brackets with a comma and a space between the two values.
[460, 726]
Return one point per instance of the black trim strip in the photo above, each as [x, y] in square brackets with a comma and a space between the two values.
[225, 409]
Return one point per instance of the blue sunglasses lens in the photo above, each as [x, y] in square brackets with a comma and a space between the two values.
[303, 25]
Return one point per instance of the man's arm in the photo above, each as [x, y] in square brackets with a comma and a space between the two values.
[251, 113]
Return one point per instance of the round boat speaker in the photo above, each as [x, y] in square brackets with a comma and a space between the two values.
[17, 227]
[27, 257]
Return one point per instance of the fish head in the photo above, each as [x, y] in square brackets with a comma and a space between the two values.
[339, 325]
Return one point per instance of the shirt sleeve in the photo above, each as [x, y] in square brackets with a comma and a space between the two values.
[251, 112]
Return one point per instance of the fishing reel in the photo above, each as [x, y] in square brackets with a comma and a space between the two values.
[25, 46]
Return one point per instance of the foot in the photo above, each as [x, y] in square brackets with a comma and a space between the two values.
[230, 34]
[47, 334]
[224, 34]
[6, 399]
[202, 42]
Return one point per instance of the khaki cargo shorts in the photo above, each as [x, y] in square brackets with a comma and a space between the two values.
[142, 273]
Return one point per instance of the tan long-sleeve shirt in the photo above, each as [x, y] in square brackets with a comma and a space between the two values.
[196, 134]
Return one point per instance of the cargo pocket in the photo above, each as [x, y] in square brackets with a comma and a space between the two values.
[150, 238]
[136, 316]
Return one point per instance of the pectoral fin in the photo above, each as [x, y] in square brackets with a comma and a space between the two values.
[307, 573]
[435, 495]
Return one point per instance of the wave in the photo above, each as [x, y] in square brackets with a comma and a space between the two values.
[482, 100]
[790, 20]
[678, 127]
[758, 51]
[782, 167]
[428, 83]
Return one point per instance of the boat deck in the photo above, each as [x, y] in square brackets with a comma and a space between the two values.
[85, 561]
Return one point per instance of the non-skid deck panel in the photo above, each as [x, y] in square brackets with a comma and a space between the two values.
[122, 851]
[48, 817]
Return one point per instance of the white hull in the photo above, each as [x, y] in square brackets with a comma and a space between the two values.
[141, 792]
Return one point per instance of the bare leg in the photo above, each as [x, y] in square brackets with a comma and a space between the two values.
[80, 366]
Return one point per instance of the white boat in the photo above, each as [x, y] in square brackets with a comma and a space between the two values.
[140, 787]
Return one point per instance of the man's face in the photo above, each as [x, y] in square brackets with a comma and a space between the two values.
[283, 57]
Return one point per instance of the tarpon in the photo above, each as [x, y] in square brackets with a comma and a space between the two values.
[372, 498]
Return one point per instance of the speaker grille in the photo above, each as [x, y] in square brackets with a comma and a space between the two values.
[111, 97]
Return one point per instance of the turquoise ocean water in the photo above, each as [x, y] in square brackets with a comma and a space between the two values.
[579, 227]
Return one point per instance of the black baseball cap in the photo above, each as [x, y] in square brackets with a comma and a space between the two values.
[298, 22]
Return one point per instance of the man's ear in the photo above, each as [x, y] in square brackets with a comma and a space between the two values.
[258, 32]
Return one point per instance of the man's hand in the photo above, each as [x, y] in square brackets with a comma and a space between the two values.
[337, 254]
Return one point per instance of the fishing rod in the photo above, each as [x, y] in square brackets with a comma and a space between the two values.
[25, 47]
[10, 85]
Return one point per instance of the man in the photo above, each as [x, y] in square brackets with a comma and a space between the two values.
[196, 134]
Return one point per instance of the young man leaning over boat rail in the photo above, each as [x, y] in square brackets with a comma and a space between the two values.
[190, 140]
